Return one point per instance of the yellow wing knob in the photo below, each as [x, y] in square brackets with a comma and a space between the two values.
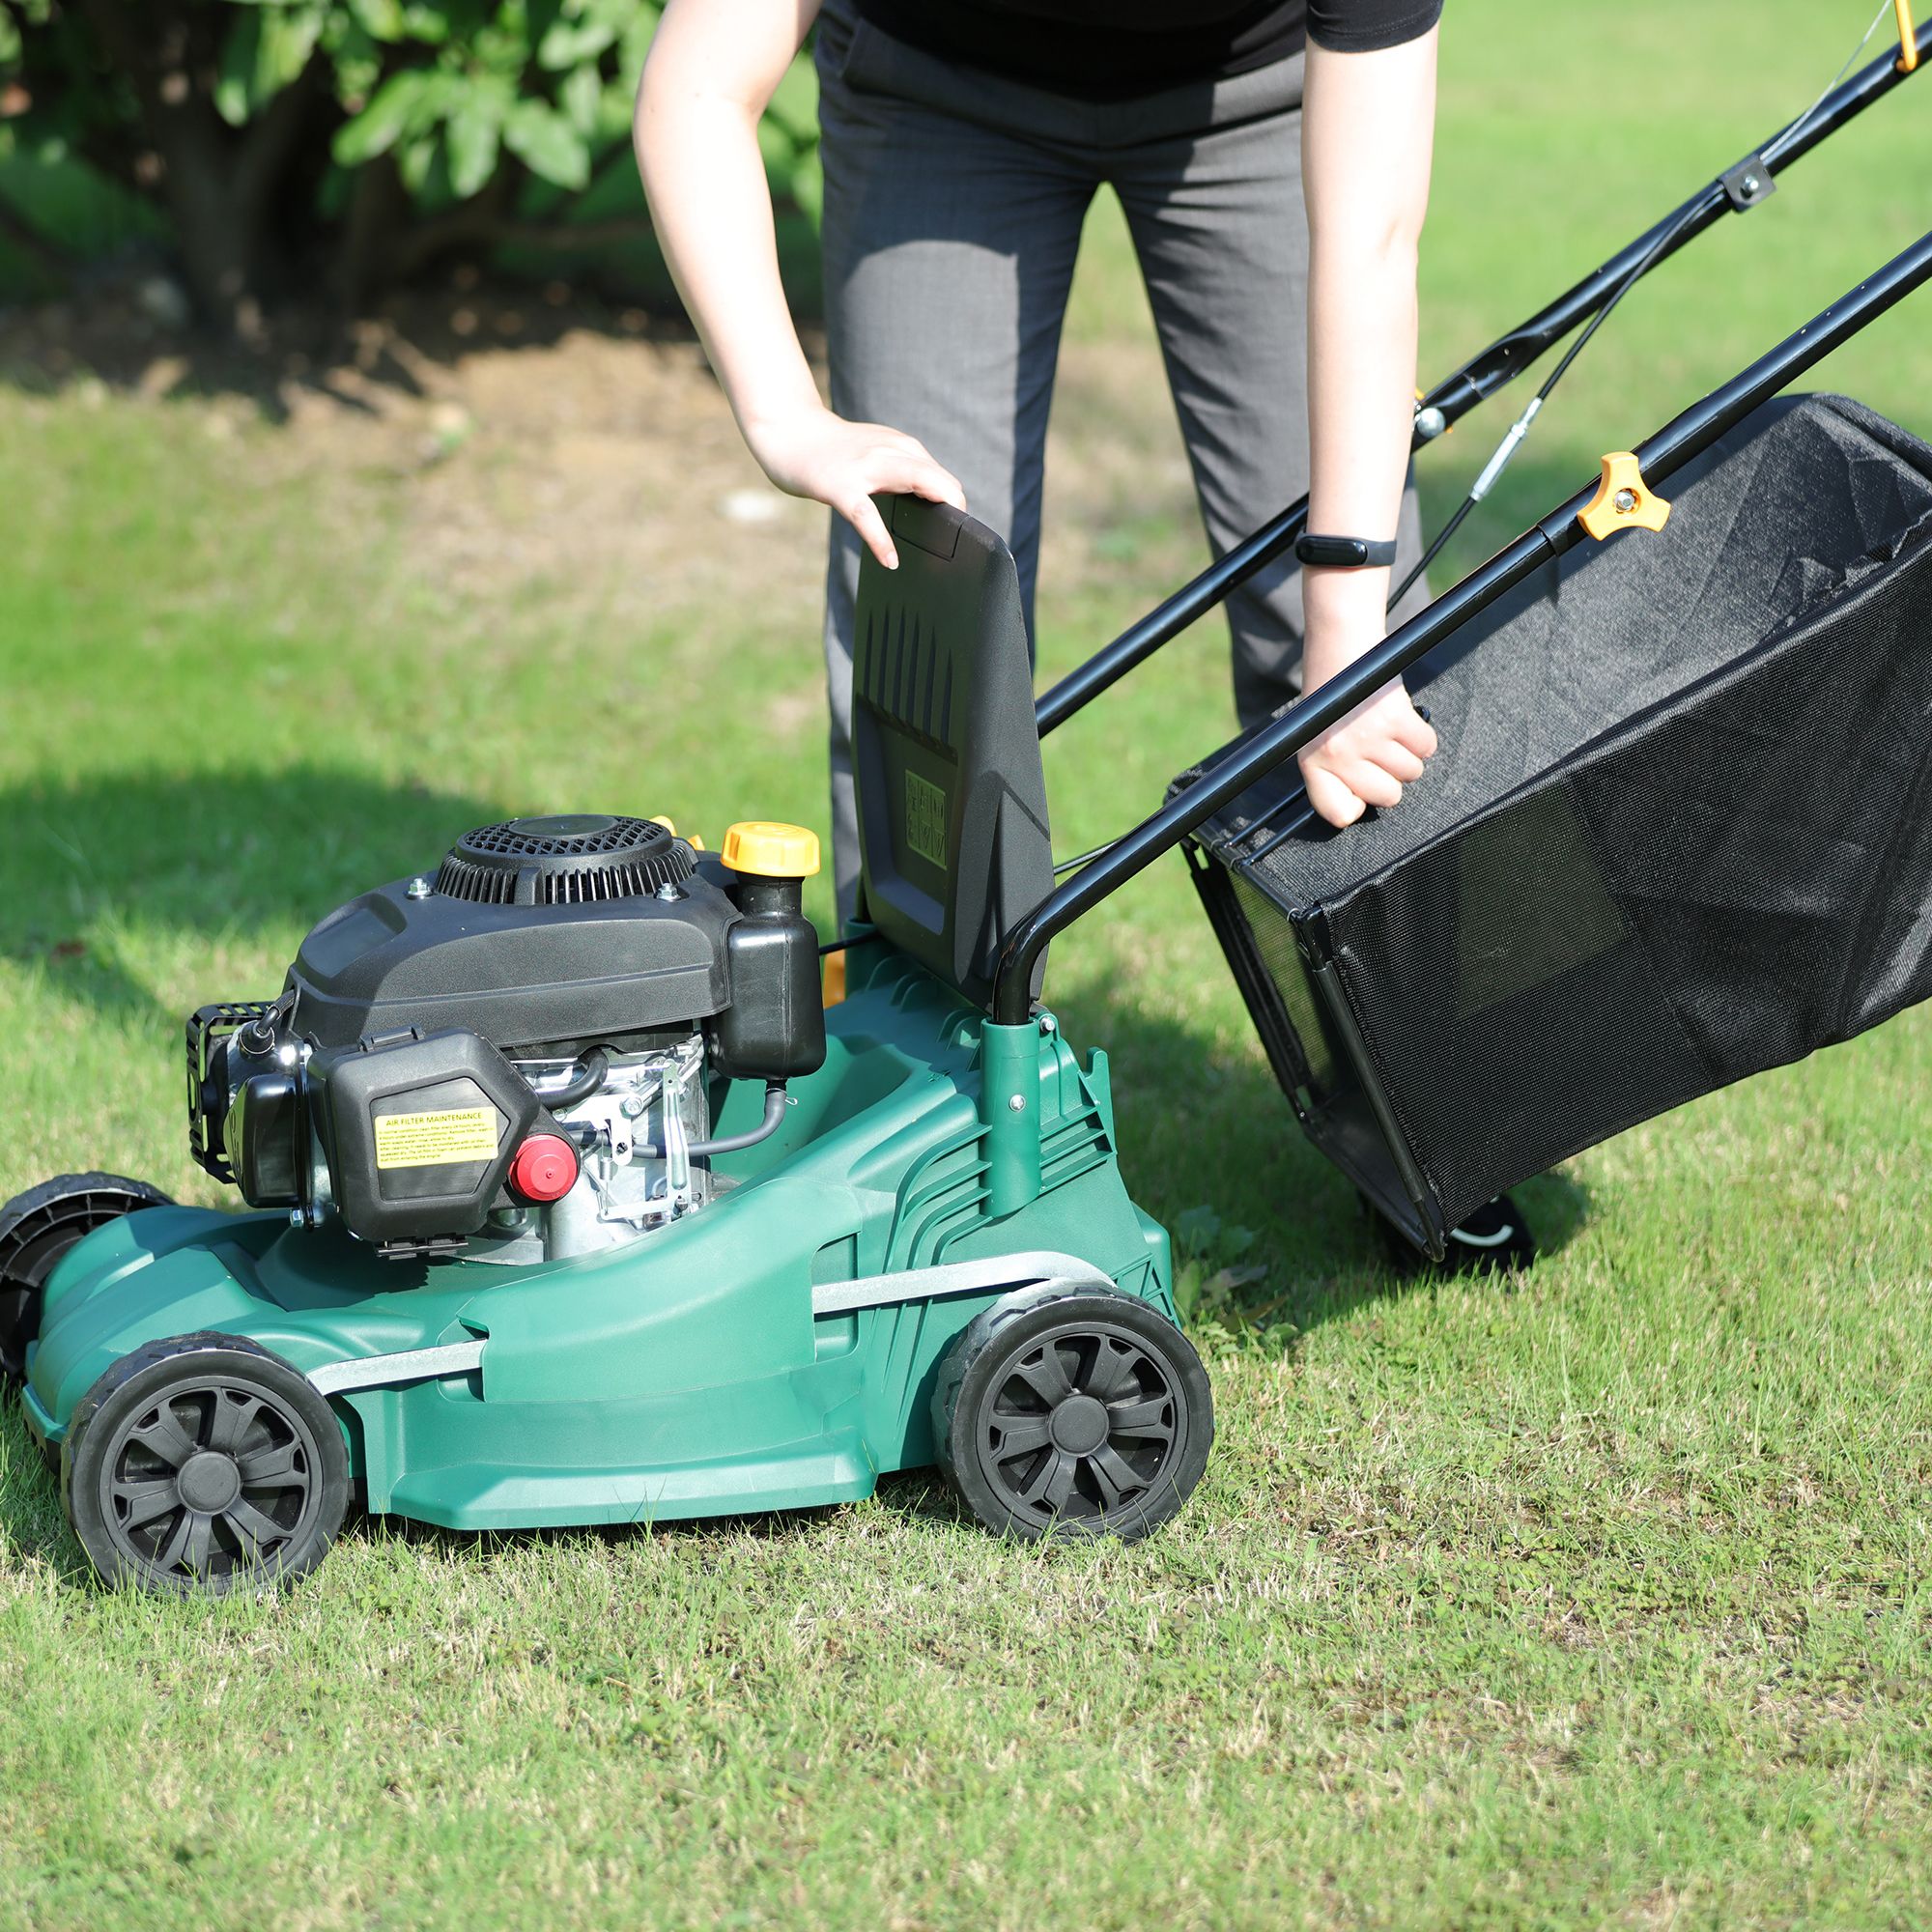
[1623, 500]
[768, 851]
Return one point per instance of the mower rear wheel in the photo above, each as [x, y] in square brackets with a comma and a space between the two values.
[204, 1463]
[37, 1229]
[1073, 1412]
[1496, 1239]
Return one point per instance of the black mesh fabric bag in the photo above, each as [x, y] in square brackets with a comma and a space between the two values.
[1679, 830]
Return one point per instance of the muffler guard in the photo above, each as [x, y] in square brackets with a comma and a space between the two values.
[1679, 831]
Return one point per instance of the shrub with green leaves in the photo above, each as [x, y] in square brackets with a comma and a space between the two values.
[338, 146]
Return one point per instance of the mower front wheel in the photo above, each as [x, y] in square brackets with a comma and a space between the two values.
[204, 1463]
[1073, 1412]
[37, 1229]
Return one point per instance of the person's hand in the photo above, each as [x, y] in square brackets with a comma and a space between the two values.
[842, 465]
[1368, 757]
[1375, 749]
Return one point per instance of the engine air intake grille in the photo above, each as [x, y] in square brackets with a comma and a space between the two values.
[576, 860]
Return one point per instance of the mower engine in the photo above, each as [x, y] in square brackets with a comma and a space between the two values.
[518, 1056]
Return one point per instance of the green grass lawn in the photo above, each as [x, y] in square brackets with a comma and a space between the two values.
[1601, 1602]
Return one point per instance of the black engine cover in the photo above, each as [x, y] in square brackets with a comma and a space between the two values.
[552, 977]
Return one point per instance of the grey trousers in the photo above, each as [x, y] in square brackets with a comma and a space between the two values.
[954, 205]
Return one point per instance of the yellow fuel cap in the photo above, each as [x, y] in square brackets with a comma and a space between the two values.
[768, 851]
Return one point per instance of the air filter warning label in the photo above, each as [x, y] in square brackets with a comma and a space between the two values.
[446, 1139]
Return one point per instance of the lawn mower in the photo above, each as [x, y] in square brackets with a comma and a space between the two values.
[570, 1203]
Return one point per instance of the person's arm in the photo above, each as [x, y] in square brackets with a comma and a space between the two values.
[1368, 120]
[713, 67]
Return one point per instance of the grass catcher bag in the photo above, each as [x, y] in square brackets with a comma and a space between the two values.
[1679, 830]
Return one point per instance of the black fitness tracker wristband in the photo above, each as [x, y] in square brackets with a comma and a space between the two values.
[1344, 553]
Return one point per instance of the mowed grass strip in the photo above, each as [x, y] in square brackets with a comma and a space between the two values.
[1599, 1601]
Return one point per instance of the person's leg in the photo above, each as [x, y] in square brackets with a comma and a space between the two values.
[948, 246]
[1218, 224]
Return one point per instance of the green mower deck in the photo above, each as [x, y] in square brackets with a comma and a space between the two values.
[779, 1350]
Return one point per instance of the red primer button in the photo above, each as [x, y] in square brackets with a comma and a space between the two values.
[544, 1168]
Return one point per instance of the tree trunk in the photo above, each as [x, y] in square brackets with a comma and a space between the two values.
[378, 213]
[218, 189]
[220, 251]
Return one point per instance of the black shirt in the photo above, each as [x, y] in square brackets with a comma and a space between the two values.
[1105, 49]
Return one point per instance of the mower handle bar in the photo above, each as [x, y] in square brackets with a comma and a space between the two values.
[1481, 377]
[1658, 456]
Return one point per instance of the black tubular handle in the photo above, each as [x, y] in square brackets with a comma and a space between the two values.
[1482, 376]
[1686, 436]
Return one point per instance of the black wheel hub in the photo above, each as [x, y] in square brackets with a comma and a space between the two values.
[209, 1481]
[1081, 1425]
[211, 1478]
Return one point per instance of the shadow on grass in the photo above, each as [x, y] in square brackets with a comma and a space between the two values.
[94, 871]
[30, 1505]
[405, 348]
[1266, 1228]
[36, 1525]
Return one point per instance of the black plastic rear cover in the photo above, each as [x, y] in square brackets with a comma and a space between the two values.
[1679, 831]
[952, 827]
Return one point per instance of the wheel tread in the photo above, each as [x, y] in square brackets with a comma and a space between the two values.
[282, 1378]
[30, 1245]
[982, 1334]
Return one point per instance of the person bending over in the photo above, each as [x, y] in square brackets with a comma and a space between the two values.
[1272, 160]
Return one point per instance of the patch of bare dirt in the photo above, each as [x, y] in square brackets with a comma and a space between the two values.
[550, 444]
